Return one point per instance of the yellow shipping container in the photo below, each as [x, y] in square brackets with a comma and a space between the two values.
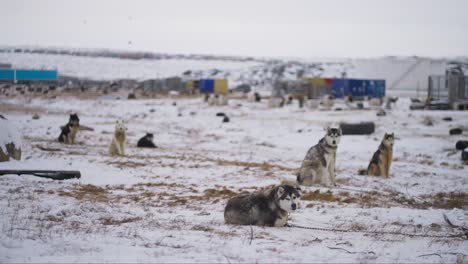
[221, 86]
[316, 81]
[189, 84]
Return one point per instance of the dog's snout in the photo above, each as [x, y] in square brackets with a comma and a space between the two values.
[334, 142]
[294, 206]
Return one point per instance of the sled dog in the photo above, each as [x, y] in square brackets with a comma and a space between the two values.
[146, 141]
[269, 208]
[318, 166]
[70, 130]
[118, 142]
[382, 158]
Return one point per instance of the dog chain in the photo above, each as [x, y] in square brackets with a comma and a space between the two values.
[377, 232]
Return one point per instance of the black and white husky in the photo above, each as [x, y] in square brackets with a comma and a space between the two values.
[146, 141]
[270, 208]
[70, 130]
[318, 166]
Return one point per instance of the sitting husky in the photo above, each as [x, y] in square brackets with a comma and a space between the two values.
[382, 159]
[118, 142]
[318, 166]
[327, 102]
[265, 209]
[70, 130]
[146, 141]
[217, 99]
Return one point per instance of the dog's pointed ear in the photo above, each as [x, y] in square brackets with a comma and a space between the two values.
[299, 191]
[280, 191]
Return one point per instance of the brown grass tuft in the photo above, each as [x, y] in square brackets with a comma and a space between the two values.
[318, 196]
[443, 200]
[263, 166]
[112, 221]
[88, 193]
[126, 164]
[223, 193]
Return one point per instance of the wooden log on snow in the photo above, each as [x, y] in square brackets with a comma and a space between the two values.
[49, 174]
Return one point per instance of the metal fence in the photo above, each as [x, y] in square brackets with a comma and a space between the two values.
[450, 88]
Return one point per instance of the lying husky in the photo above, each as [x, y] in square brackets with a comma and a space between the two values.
[318, 166]
[70, 130]
[382, 159]
[146, 141]
[270, 208]
[118, 142]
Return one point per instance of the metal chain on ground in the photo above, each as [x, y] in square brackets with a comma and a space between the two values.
[378, 232]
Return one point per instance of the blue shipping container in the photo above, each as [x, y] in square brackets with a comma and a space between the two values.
[380, 84]
[375, 88]
[357, 88]
[7, 74]
[340, 87]
[36, 75]
[207, 86]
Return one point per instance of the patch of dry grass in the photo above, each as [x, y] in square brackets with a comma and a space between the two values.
[444, 200]
[112, 221]
[389, 198]
[263, 166]
[88, 192]
[126, 164]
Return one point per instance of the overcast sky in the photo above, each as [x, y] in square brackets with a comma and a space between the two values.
[287, 28]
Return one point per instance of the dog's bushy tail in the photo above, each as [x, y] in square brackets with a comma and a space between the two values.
[362, 172]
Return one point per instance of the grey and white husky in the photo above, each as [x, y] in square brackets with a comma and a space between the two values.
[318, 166]
[270, 208]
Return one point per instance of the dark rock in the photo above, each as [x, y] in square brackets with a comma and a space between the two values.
[455, 131]
[381, 112]
[447, 118]
[417, 106]
[220, 114]
[226, 119]
[257, 96]
[131, 96]
[338, 109]
[35, 116]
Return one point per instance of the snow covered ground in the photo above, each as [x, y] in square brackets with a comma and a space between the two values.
[166, 204]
